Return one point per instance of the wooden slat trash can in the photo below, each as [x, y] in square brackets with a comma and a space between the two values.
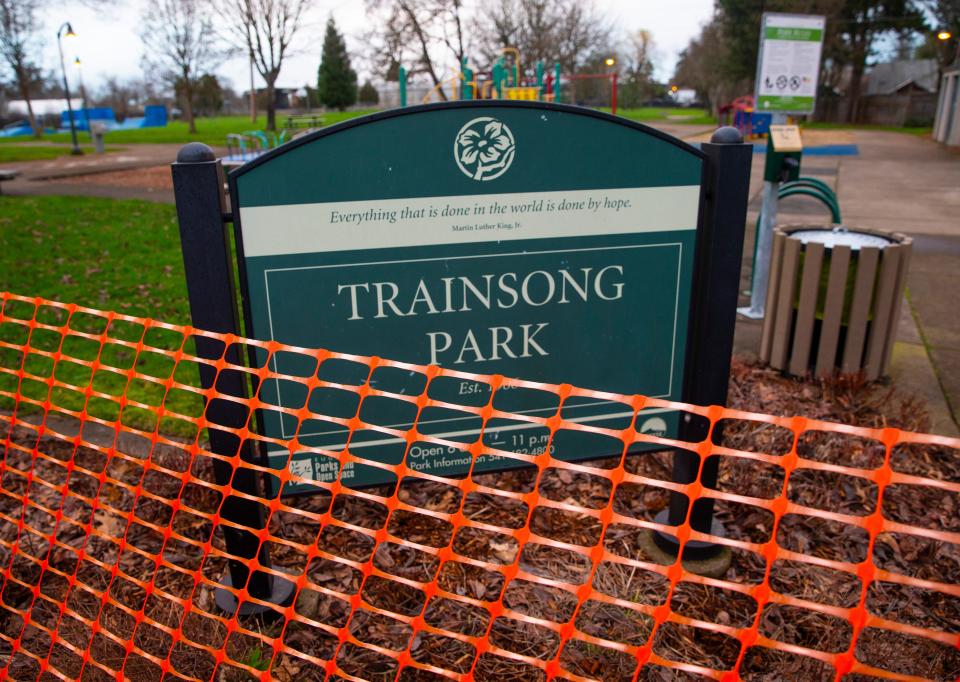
[834, 300]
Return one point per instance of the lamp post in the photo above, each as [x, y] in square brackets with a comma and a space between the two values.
[611, 62]
[945, 37]
[76, 151]
[83, 96]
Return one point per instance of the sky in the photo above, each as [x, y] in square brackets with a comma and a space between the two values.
[108, 41]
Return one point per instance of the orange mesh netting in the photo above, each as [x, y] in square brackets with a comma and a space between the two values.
[843, 540]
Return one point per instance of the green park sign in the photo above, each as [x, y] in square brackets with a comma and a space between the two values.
[540, 241]
[788, 64]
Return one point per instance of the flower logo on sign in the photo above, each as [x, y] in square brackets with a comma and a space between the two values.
[484, 148]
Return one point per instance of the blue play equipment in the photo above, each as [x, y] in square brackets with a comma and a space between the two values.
[819, 150]
[16, 129]
[22, 127]
[82, 117]
[760, 123]
[154, 116]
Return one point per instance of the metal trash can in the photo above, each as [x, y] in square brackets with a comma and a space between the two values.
[833, 302]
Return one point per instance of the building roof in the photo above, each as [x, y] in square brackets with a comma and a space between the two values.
[886, 79]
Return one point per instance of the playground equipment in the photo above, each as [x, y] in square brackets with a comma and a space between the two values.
[248, 145]
[741, 114]
[16, 129]
[154, 116]
[506, 80]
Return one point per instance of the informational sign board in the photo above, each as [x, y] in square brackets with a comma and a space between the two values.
[788, 65]
[538, 241]
[786, 138]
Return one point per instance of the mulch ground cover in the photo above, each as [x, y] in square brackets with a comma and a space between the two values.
[103, 599]
[153, 178]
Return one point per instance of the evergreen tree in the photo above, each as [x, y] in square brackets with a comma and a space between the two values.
[368, 94]
[336, 81]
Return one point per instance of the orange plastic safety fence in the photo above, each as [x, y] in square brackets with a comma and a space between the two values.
[111, 533]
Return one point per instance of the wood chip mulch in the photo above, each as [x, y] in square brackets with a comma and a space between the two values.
[752, 389]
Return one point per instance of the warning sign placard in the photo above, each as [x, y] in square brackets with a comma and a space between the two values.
[789, 63]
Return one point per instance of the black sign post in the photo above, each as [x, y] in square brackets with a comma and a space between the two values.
[717, 271]
[198, 185]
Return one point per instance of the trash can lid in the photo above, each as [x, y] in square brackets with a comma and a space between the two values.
[841, 237]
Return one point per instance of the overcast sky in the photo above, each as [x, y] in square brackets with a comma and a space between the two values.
[108, 42]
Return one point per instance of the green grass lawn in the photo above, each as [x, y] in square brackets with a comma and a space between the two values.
[667, 115]
[102, 253]
[212, 131]
[910, 130]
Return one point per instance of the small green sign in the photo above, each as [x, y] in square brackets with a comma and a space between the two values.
[535, 241]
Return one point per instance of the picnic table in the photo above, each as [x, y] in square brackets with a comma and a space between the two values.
[304, 121]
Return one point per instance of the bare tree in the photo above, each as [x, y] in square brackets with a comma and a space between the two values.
[418, 32]
[18, 28]
[701, 66]
[264, 29]
[127, 96]
[639, 85]
[181, 45]
[566, 31]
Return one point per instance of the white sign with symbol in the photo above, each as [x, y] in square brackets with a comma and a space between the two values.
[788, 67]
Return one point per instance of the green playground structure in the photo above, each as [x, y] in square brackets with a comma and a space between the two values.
[507, 80]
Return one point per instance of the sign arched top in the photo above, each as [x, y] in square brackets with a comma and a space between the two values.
[446, 149]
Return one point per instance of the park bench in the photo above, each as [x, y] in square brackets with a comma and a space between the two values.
[303, 121]
[7, 174]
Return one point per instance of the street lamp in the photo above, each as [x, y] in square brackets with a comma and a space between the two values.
[944, 36]
[610, 61]
[76, 151]
[83, 96]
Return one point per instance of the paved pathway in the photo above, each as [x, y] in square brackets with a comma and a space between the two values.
[48, 176]
[908, 184]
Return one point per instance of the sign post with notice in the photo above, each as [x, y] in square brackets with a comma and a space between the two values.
[788, 73]
[541, 241]
[788, 65]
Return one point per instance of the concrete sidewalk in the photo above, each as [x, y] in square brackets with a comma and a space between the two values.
[901, 183]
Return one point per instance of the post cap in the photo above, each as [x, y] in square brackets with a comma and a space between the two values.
[726, 135]
[195, 152]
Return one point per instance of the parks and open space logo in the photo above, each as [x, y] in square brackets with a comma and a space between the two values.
[484, 148]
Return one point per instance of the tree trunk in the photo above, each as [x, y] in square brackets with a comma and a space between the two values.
[861, 43]
[188, 106]
[271, 106]
[856, 79]
[424, 49]
[25, 94]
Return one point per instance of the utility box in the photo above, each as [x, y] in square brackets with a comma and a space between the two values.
[834, 300]
[97, 130]
[784, 149]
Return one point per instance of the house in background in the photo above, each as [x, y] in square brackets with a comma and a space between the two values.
[898, 93]
[901, 77]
